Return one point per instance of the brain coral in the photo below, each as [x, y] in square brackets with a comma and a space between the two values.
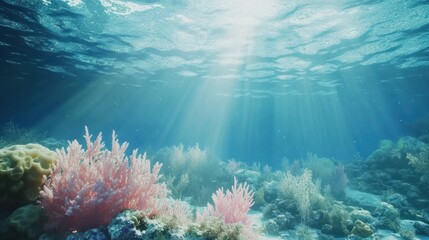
[21, 173]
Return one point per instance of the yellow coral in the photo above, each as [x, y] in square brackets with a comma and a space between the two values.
[362, 229]
[21, 172]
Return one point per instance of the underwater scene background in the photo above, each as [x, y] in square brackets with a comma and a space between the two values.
[291, 119]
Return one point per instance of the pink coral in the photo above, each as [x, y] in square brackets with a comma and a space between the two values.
[88, 188]
[232, 207]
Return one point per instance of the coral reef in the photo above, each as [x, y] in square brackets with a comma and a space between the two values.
[90, 187]
[392, 183]
[100, 193]
[399, 168]
[226, 220]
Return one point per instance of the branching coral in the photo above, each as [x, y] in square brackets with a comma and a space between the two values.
[89, 187]
[302, 191]
[231, 208]
[420, 161]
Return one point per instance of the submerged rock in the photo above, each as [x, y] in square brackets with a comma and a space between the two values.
[271, 227]
[92, 234]
[398, 201]
[24, 223]
[130, 224]
[362, 229]
[424, 184]
[421, 228]
[362, 199]
[124, 226]
[388, 216]
[327, 229]
[250, 176]
[362, 215]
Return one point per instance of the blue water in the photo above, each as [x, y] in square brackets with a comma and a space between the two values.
[249, 80]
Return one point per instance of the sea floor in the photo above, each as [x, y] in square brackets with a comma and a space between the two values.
[367, 197]
[381, 234]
